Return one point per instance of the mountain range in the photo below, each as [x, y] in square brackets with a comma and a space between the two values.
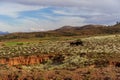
[3, 33]
[67, 31]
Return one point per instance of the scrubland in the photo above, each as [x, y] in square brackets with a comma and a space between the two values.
[97, 59]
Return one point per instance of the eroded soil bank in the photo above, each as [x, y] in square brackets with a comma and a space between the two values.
[25, 60]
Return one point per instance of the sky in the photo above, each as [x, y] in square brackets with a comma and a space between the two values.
[43, 15]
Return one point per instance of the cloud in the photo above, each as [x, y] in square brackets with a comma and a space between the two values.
[69, 3]
[48, 2]
[4, 26]
[13, 10]
[33, 29]
[85, 6]
[52, 14]
[108, 6]
[29, 24]
[76, 12]
[8, 27]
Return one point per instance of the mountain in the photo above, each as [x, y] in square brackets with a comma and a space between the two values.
[81, 30]
[65, 28]
[68, 31]
[78, 28]
[3, 33]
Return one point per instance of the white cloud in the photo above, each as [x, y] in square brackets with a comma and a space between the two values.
[33, 24]
[74, 12]
[7, 27]
[13, 10]
[4, 26]
[33, 29]
[97, 6]
[75, 3]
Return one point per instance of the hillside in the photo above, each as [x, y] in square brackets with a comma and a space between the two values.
[81, 30]
[68, 31]
[97, 59]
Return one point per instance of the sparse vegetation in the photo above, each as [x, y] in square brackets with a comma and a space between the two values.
[99, 51]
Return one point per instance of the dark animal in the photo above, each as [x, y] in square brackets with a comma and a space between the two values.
[76, 43]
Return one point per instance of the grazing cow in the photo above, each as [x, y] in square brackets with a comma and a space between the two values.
[76, 43]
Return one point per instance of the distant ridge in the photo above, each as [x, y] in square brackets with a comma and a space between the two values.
[68, 31]
[64, 28]
[3, 33]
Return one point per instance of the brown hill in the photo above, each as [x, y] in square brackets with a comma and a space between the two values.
[68, 31]
[81, 30]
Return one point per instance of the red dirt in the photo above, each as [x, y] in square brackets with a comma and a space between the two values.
[22, 60]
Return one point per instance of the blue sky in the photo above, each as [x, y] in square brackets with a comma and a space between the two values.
[42, 15]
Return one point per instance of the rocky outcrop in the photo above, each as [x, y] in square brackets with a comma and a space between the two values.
[25, 60]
